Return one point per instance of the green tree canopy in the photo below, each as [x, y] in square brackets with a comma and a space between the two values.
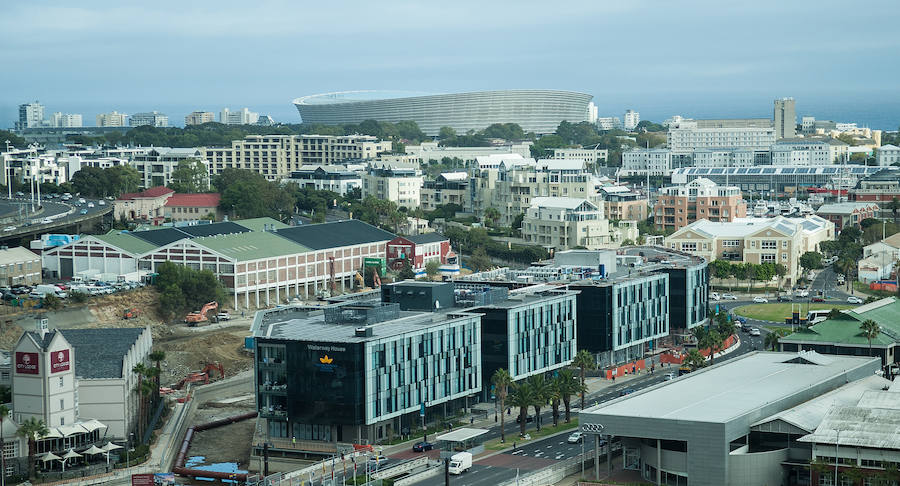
[247, 194]
[189, 177]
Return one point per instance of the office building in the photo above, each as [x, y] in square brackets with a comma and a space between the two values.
[31, 115]
[153, 119]
[777, 240]
[241, 117]
[112, 119]
[888, 155]
[399, 183]
[65, 120]
[276, 156]
[678, 206]
[446, 188]
[335, 178]
[785, 118]
[19, 266]
[157, 164]
[592, 156]
[631, 120]
[682, 140]
[779, 180]
[562, 223]
[199, 118]
[733, 424]
[538, 111]
[848, 213]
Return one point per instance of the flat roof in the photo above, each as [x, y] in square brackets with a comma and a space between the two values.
[462, 435]
[739, 386]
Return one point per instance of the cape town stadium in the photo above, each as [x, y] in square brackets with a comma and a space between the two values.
[536, 110]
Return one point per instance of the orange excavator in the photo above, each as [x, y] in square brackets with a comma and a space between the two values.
[202, 376]
[200, 316]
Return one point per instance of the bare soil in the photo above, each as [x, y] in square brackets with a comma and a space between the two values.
[229, 443]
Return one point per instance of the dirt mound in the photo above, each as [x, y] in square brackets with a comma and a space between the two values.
[108, 309]
[191, 352]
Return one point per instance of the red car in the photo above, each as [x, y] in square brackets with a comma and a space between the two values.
[818, 299]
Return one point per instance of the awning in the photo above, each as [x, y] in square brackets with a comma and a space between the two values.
[92, 425]
[111, 447]
[93, 451]
[71, 454]
[69, 430]
[49, 456]
[52, 434]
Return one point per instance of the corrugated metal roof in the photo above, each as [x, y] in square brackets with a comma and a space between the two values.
[125, 241]
[251, 245]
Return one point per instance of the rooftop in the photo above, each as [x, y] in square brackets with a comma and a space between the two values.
[873, 421]
[559, 202]
[153, 192]
[17, 254]
[99, 353]
[426, 238]
[844, 207]
[736, 387]
[335, 234]
[251, 245]
[205, 200]
[845, 330]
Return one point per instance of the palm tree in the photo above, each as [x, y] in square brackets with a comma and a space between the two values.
[694, 360]
[712, 340]
[584, 360]
[521, 397]
[501, 381]
[32, 429]
[157, 356]
[4, 413]
[555, 398]
[568, 385]
[140, 370]
[541, 392]
[771, 341]
[870, 330]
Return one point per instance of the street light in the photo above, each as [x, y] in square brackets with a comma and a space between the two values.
[836, 456]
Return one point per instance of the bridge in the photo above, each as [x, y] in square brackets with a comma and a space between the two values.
[23, 219]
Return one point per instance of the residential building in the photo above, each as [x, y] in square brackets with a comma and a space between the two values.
[192, 207]
[605, 123]
[678, 206]
[112, 119]
[335, 178]
[446, 188]
[779, 180]
[888, 155]
[809, 152]
[848, 213]
[199, 118]
[260, 262]
[65, 120]
[690, 139]
[889, 245]
[622, 204]
[562, 223]
[276, 156]
[881, 188]
[418, 250]
[31, 115]
[877, 266]
[733, 424]
[777, 240]
[157, 164]
[785, 118]
[153, 119]
[142, 206]
[592, 156]
[434, 153]
[19, 266]
[638, 161]
[731, 157]
[241, 117]
[631, 120]
[381, 368]
[399, 183]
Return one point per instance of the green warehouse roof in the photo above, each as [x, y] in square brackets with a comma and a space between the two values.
[845, 330]
[127, 242]
[259, 224]
[251, 246]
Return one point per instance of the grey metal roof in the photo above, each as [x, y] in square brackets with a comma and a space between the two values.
[426, 238]
[164, 236]
[99, 353]
[874, 422]
[335, 235]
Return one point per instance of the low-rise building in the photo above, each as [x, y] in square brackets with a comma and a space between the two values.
[335, 178]
[848, 213]
[562, 223]
[688, 139]
[876, 266]
[111, 119]
[622, 204]
[780, 180]
[19, 266]
[147, 205]
[191, 207]
[809, 151]
[399, 183]
[434, 153]
[418, 250]
[679, 206]
[157, 164]
[881, 188]
[446, 188]
[888, 155]
[592, 156]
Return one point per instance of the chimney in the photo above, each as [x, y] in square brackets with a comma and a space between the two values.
[43, 327]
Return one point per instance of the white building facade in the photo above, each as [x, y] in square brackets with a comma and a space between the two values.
[563, 223]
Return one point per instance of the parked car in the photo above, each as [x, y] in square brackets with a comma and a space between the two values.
[818, 299]
[784, 298]
[714, 296]
[854, 300]
[627, 391]
[9, 228]
[575, 438]
[755, 332]
[760, 300]
[422, 446]
[802, 293]
[729, 297]
[223, 316]
[528, 419]
[669, 376]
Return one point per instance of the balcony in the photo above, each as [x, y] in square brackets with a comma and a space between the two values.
[269, 412]
[273, 389]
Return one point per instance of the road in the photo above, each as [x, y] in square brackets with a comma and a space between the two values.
[60, 213]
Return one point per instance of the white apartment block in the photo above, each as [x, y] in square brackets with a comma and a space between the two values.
[335, 178]
[158, 163]
[730, 157]
[153, 119]
[199, 118]
[112, 119]
[809, 152]
[277, 156]
[639, 161]
[888, 155]
[65, 120]
[631, 119]
[241, 117]
[31, 115]
[399, 183]
[431, 152]
[609, 123]
[689, 139]
[563, 223]
[589, 155]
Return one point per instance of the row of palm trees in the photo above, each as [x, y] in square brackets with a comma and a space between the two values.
[538, 391]
[147, 389]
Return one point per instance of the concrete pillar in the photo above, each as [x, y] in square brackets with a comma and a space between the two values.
[658, 461]
[597, 457]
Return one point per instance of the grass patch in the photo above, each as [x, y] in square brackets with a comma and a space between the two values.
[546, 430]
[864, 289]
[778, 312]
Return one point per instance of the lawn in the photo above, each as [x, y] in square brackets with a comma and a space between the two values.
[546, 429]
[777, 312]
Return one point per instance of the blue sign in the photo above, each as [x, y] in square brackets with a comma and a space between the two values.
[422, 411]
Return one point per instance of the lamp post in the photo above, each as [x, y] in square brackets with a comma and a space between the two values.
[836, 461]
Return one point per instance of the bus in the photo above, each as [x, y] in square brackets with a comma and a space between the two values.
[817, 316]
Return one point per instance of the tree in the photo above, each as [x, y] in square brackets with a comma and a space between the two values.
[522, 398]
[190, 176]
[694, 360]
[31, 430]
[501, 381]
[740, 271]
[811, 260]
[248, 194]
[50, 301]
[721, 269]
[491, 216]
[541, 392]
[14, 140]
[584, 361]
[870, 330]
[183, 289]
[406, 271]
[479, 261]
[781, 271]
[711, 340]
[140, 370]
[567, 385]
[894, 206]
[771, 341]
[432, 268]
[157, 356]
[446, 133]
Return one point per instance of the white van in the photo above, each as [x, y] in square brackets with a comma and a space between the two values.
[45, 289]
[460, 462]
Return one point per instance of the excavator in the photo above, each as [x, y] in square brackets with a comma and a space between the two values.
[203, 376]
[200, 316]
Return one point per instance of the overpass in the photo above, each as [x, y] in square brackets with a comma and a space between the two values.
[19, 224]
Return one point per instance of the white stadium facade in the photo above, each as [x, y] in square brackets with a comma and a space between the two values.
[535, 110]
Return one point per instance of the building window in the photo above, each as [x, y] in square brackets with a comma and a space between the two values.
[767, 258]
[61, 382]
[769, 245]
[62, 403]
[689, 247]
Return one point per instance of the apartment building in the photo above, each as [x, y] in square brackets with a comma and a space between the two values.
[19, 266]
[276, 156]
[157, 164]
[847, 213]
[731, 157]
[776, 240]
[65, 120]
[622, 204]
[690, 138]
[637, 161]
[562, 223]
[446, 188]
[701, 198]
[199, 118]
[335, 178]
[590, 155]
[433, 152]
[399, 183]
[809, 152]
[241, 117]
[888, 155]
[153, 119]
[111, 119]
[31, 115]
[785, 118]
[631, 119]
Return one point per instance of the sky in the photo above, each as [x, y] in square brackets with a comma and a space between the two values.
[694, 58]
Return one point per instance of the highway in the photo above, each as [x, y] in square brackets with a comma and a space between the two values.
[19, 221]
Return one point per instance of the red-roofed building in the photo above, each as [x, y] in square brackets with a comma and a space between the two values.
[186, 207]
[147, 205]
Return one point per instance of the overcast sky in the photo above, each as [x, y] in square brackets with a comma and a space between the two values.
[697, 58]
